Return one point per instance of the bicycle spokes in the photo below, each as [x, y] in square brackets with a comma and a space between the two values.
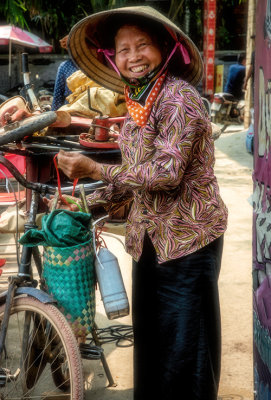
[35, 361]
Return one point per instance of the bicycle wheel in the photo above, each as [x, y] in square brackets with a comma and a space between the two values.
[27, 127]
[39, 344]
[59, 371]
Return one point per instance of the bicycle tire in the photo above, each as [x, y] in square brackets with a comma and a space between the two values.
[59, 374]
[20, 358]
[27, 127]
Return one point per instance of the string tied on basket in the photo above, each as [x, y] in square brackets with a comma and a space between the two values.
[65, 201]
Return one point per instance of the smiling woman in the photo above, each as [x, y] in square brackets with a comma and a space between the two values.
[177, 218]
[137, 54]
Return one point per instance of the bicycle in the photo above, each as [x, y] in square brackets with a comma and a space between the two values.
[38, 350]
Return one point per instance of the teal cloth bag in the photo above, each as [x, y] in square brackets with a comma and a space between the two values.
[60, 228]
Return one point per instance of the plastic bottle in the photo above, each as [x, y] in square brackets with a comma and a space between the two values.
[111, 285]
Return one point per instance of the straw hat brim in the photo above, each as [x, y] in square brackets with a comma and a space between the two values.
[83, 45]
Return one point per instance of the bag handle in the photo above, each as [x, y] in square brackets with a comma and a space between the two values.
[59, 185]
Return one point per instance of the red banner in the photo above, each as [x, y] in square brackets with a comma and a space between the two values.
[209, 46]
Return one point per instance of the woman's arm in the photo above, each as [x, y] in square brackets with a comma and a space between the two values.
[75, 165]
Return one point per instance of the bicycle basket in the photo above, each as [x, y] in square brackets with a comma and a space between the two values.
[68, 268]
[69, 277]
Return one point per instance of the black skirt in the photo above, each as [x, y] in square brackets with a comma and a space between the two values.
[176, 320]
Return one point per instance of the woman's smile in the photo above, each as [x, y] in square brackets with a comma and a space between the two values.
[136, 52]
[140, 68]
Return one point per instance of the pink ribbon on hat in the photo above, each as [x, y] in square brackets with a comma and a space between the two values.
[179, 45]
[184, 53]
[183, 50]
[109, 53]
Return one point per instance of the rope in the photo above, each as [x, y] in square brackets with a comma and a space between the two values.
[121, 334]
[100, 242]
[65, 201]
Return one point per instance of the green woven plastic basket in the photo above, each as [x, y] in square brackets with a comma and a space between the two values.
[70, 279]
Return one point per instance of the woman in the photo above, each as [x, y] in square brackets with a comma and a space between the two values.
[177, 219]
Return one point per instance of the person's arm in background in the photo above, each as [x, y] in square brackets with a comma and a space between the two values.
[248, 75]
[250, 71]
[59, 90]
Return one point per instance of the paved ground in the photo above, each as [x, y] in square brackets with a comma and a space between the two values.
[234, 172]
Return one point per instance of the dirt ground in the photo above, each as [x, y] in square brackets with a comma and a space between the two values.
[233, 170]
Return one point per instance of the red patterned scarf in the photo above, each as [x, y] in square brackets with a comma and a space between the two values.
[138, 112]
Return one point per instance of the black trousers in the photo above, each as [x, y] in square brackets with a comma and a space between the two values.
[176, 320]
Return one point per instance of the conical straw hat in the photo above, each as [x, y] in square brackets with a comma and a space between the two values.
[84, 41]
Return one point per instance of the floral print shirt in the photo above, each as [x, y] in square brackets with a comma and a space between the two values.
[167, 169]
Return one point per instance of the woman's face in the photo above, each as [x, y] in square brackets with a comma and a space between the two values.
[136, 52]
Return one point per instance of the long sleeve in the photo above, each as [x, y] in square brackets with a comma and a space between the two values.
[110, 198]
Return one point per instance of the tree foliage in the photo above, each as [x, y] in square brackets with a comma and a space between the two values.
[13, 12]
[230, 21]
[55, 18]
[231, 24]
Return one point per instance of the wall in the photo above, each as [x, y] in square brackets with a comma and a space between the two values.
[250, 47]
[262, 205]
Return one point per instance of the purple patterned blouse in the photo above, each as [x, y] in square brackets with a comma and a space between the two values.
[167, 168]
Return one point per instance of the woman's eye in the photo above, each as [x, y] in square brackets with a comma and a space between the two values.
[124, 50]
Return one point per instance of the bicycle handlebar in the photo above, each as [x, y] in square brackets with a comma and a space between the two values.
[42, 188]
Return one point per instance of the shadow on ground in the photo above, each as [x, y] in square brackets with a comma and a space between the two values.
[232, 148]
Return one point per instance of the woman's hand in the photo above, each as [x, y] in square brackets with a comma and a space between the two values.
[50, 203]
[75, 165]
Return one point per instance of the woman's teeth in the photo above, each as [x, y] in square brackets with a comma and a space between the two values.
[141, 68]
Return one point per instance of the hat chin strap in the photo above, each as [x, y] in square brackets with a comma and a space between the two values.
[144, 80]
[183, 50]
[110, 53]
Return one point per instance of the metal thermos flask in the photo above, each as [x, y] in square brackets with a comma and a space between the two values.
[111, 285]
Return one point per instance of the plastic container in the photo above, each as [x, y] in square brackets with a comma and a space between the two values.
[111, 285]
[250, 134]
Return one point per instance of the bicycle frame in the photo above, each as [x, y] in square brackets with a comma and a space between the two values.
[23, 282]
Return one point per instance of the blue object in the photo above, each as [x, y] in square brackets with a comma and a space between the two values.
[250, 139]
[61, 90]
